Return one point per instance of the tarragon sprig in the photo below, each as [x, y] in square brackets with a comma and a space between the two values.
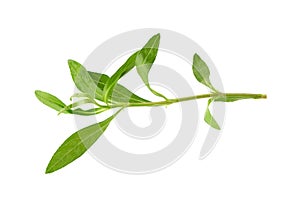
[105, 93]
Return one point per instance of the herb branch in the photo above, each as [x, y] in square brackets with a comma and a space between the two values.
[106, 93]
[225, 97]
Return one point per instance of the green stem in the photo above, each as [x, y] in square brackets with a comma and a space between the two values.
[201, 96]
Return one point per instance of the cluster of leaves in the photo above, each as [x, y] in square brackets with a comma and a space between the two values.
[105, 93]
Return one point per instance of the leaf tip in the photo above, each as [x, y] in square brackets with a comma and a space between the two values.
[51, 167]
[37, 92]
[71, 62]
[212, 122]
[217, 127]
[74, 67]
[49, 170]
[196, 56]
[157, 35]
[209, 119]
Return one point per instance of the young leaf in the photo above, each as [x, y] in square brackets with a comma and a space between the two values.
[145, 59]
[93, 111]
[83, 81]
[209, 119]
[50, 101]
[120, 94]
[58, 105]
[111, 82]
[80, 95]
[76, 145]
[76, 104]
[201, 72]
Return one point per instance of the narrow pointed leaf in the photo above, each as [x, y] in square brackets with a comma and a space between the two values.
[88, 112]
[50, 101]
[56, 104]
[201, 72]
[120, 94]
[76, 145]
[145, 59]
[209, 119]
[76, 104]
[83, 80]
[111, 82]
[99, 79]
[80, 95]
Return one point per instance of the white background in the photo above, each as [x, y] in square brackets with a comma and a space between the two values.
[255, 46]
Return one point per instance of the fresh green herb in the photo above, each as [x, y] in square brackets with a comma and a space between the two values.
[145, 59]
[77, 144]
[105, 93]
[111, 82]
[202, 72]
[208, 118]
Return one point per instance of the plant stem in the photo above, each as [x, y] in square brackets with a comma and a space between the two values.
[189, 98]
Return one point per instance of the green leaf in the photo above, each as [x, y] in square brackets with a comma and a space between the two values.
[99, 79]
[145, 59]
[201, 72]
[79, 111]
[58, 105]
[76, 104]
[76, 145]
[120, 94]
[88, 112]
[83, 80]
[80, 95]
[50, 100]
[209, 119]
[111, 82]
[87, 100]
